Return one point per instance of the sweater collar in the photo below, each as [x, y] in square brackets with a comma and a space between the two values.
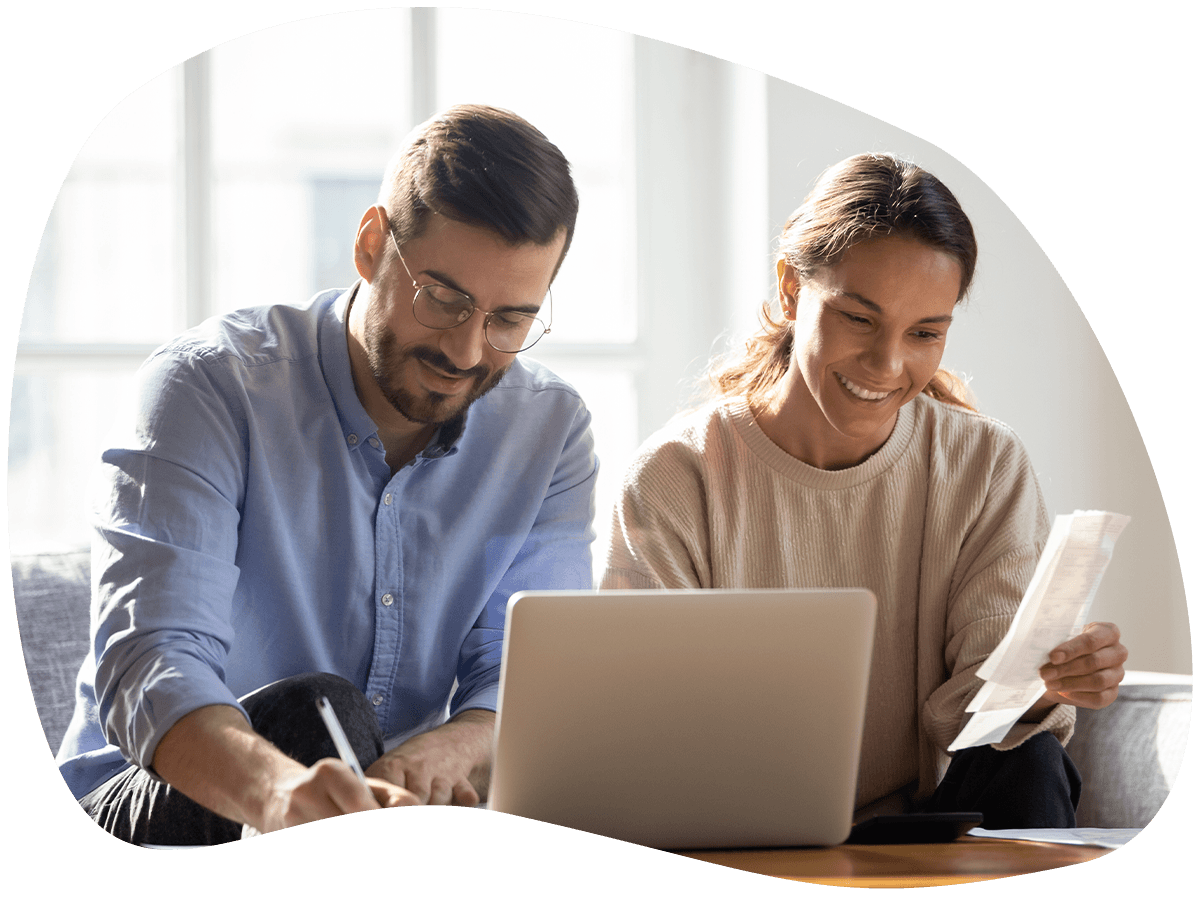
[740, 415]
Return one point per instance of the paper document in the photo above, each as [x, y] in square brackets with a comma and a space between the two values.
[1055, 608]
[1086, 837]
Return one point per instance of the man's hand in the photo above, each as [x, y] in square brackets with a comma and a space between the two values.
[451, 764]
[327, 789]
[213, 756]
[1086, 670]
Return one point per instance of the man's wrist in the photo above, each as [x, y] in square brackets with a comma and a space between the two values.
[476, 728]
[474, 716]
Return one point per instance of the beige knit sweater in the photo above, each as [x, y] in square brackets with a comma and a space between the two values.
[944, 523]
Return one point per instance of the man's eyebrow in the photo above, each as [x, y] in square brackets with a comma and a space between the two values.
[442, 278]
[449, 282]
[876, 308]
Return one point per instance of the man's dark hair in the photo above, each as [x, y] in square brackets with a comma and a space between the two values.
[481, 166]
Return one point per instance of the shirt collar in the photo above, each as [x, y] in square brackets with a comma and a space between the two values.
[357, 426]
[334, 352]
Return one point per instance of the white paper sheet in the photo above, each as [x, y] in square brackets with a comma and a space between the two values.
[1055, 608]
[1087, 837]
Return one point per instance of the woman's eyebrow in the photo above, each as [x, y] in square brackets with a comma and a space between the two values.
[860, 299]
[876, 308]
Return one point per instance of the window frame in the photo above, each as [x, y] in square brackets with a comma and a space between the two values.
[698, 113]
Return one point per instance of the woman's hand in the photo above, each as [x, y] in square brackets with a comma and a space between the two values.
[1086, 670]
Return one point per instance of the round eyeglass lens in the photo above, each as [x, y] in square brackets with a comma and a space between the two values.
[509, 331]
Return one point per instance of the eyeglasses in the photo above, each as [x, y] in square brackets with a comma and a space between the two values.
[441, 307]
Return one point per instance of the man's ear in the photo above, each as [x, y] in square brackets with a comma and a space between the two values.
[370, 242]
[789, 285]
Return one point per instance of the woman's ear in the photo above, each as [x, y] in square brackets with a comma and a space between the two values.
[789, 285]
[369, 242]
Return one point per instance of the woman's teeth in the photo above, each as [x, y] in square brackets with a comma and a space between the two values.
[860, 392]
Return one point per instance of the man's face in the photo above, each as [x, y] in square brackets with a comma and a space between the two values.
[427, 375]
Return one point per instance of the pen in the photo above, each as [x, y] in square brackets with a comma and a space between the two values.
[345, 751]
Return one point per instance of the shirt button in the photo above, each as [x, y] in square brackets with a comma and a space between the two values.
[387, 499]
[376, 699]
[352, 439]
[374, 442]
[387, 599]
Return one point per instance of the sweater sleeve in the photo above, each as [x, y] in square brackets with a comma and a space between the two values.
[658, 535]
[995, 562]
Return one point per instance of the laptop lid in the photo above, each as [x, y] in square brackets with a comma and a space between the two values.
[685, 719]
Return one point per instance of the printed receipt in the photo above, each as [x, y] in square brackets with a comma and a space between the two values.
[1055, 608]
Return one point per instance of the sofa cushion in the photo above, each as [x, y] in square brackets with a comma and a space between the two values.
[53, 599]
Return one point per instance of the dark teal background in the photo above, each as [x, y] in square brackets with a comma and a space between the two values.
[1080, 117]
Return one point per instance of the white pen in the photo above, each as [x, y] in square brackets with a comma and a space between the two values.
[345, 751]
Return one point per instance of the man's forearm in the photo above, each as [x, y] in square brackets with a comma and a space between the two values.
[214, 757]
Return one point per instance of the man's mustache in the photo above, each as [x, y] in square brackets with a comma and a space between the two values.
[440, 361]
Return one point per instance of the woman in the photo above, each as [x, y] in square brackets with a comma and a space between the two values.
[839, 454]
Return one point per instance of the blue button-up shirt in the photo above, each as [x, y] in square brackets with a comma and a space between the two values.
[250, 529]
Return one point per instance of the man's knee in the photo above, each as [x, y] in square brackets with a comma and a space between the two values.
[139, 809]
[298, 690]
[285, 713]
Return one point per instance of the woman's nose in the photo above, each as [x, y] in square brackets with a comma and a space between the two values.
[885, 356]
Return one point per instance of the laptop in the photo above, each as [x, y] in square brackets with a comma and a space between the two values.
[685, 719]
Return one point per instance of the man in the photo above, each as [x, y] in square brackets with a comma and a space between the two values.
[338, 499]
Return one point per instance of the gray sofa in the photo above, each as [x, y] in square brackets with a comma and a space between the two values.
[1129, 754]
[53, 596]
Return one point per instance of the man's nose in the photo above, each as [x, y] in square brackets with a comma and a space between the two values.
[465, 344]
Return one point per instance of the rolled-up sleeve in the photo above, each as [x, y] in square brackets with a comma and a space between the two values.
[166, 524]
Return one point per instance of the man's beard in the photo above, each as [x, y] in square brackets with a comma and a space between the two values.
[387, 362]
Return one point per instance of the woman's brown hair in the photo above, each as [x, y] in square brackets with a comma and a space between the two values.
[863, 197]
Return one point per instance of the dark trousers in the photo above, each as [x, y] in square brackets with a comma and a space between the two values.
[1033, 785]
[140, 809]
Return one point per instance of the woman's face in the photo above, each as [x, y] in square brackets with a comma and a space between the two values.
[869, 335]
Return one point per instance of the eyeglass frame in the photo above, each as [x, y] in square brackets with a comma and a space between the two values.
[487, 316]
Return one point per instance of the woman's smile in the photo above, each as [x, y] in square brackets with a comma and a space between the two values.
[862, 393]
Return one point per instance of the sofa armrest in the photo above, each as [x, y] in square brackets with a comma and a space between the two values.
[1129, 753]
[53, 600]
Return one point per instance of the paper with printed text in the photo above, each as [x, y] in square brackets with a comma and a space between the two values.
[1055, 608]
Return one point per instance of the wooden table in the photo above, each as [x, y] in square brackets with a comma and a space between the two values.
[904, 865]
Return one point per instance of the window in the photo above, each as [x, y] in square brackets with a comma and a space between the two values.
[302, 122]
[102, 294]
[576, 84]
[240, 177]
